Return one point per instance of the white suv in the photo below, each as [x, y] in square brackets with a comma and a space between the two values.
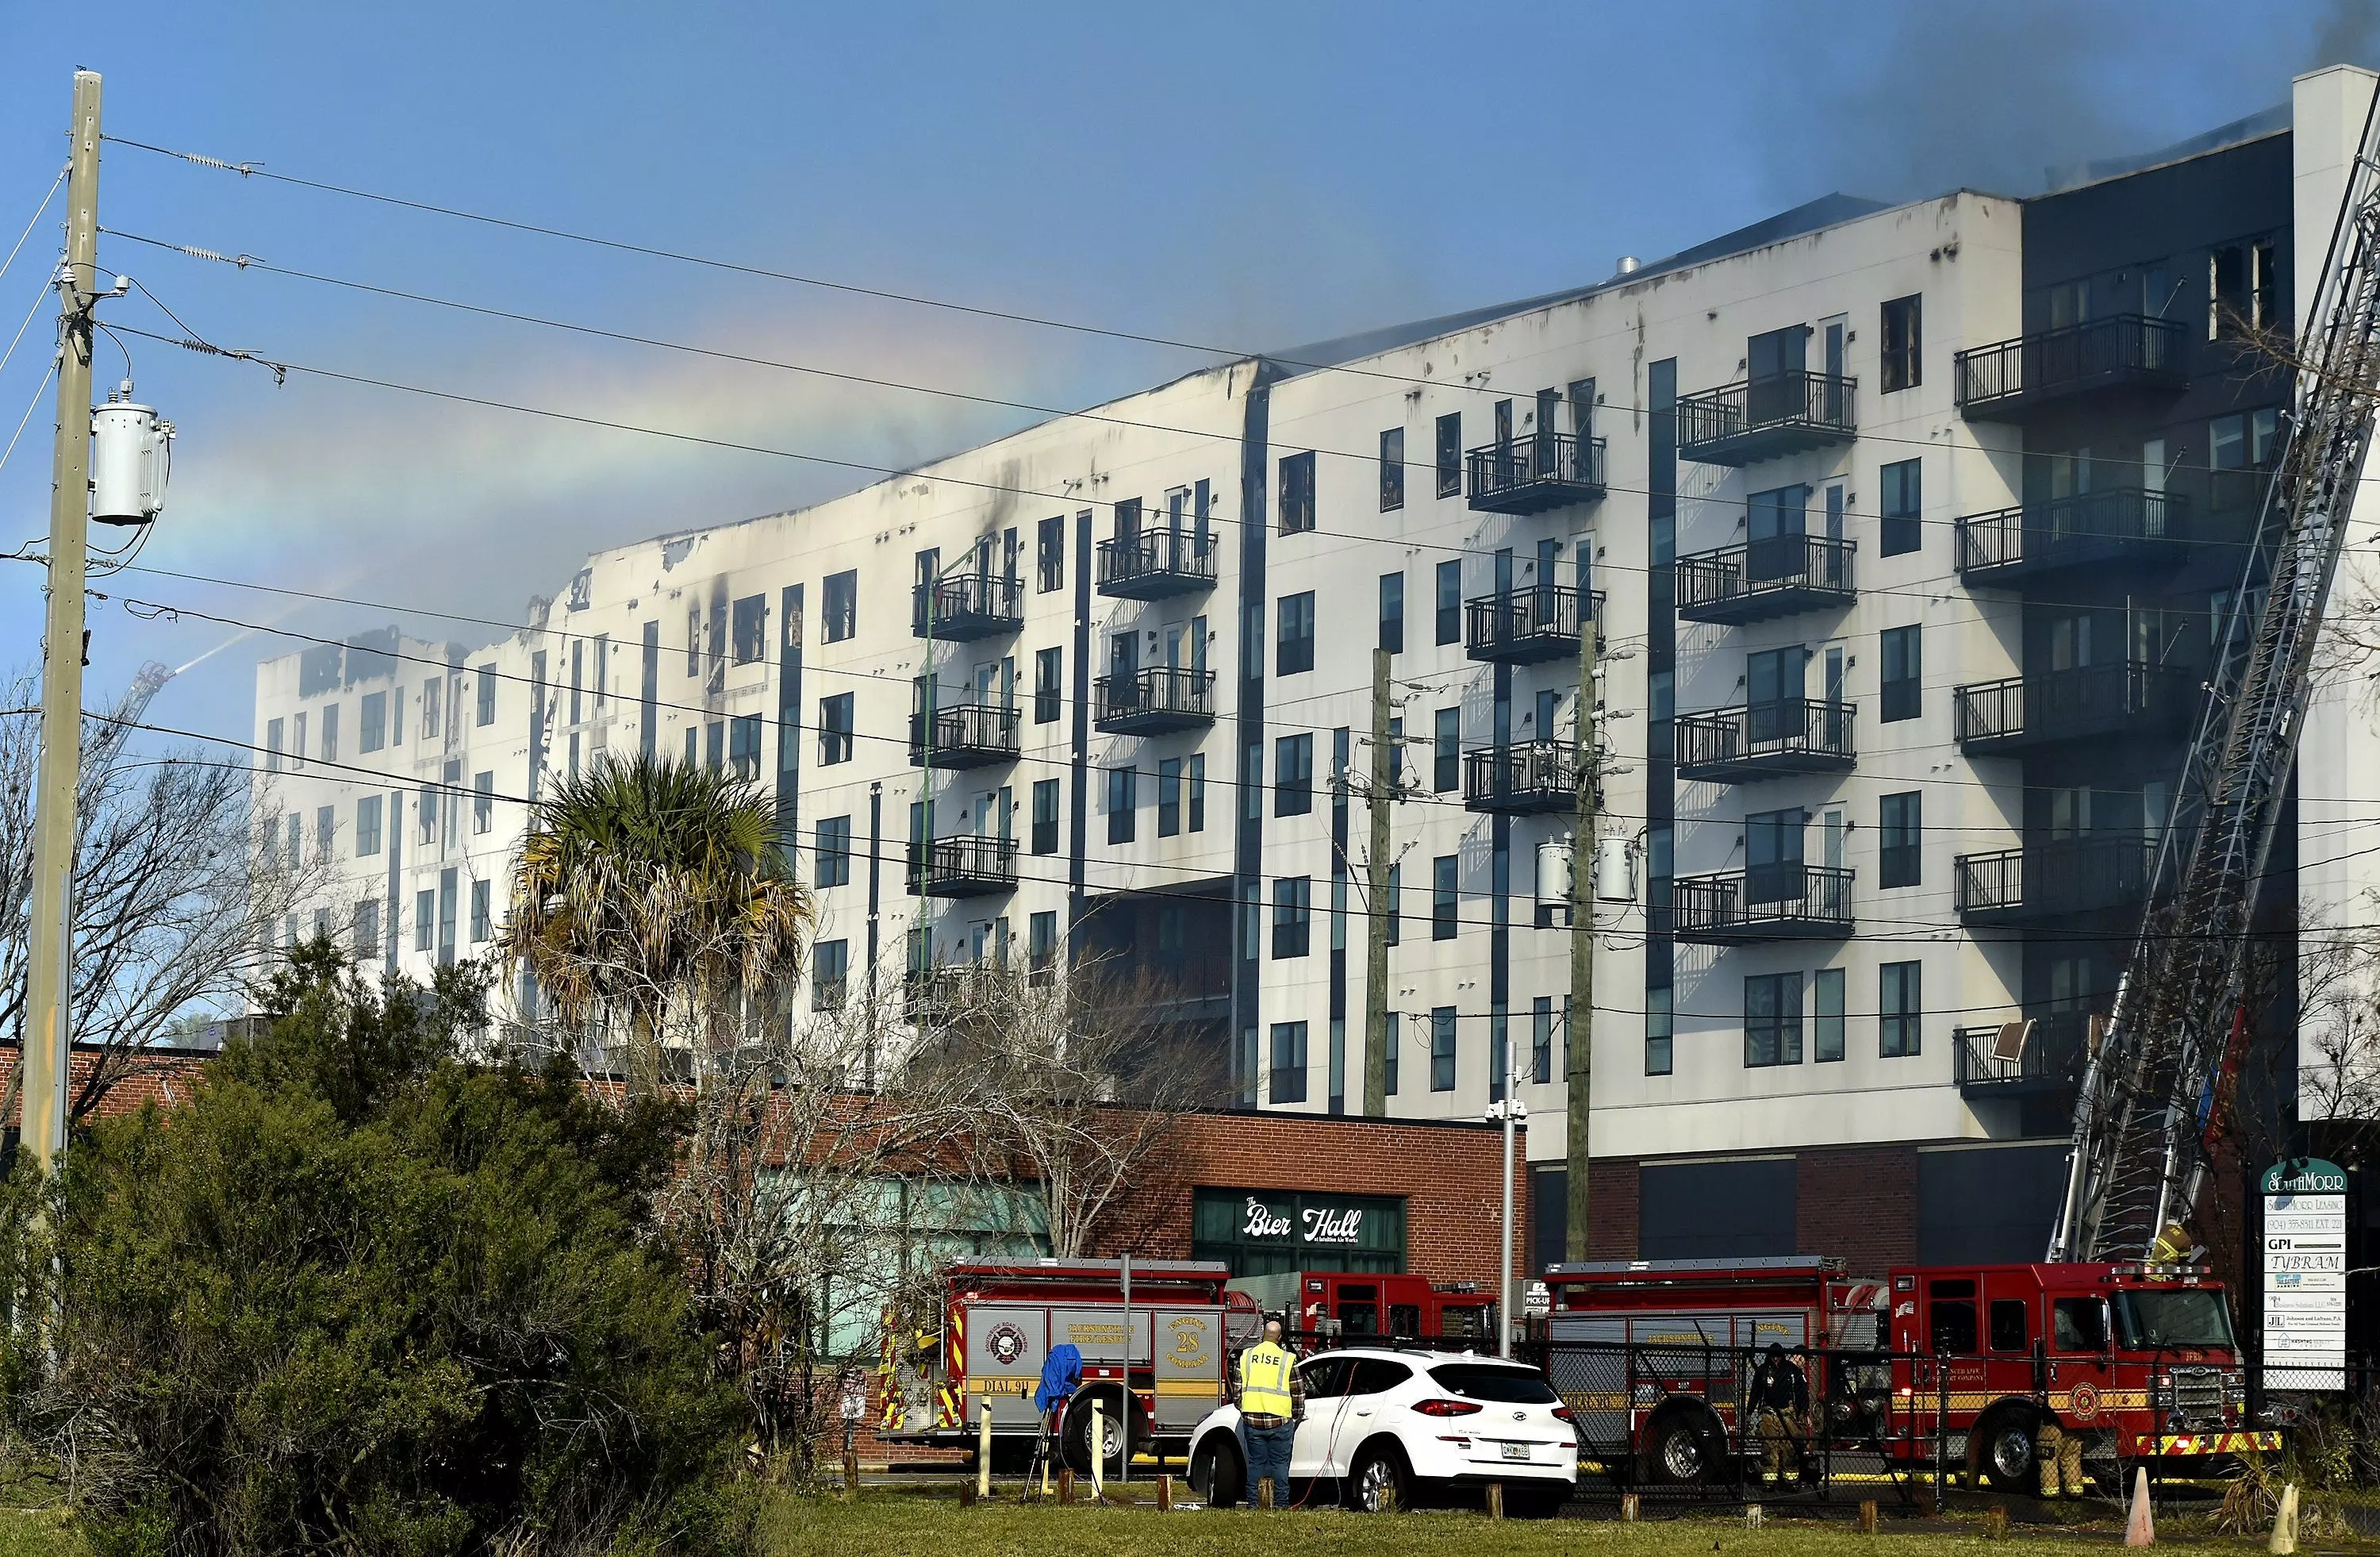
[1380, 1425]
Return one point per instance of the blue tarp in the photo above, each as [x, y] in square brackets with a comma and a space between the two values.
[1058, 1377]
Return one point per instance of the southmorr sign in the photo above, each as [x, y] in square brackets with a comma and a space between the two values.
[2305, 1275]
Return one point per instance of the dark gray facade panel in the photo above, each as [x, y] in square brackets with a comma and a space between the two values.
[1992, 1206]
[1715, 1211]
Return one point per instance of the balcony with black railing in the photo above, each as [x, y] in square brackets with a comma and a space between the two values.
[969, 865]
[2053, 879]
[1153, 701]
[1766, 740]
[2041, 1052]
[1535, 473]
[1792, 902]
[2055, 535]
[1526, 625]
[966, 735]
[1156, 565]
[2020, 713]
[967, 606]
[1524, 778]
[1758, 581]
[1767, 418]
[2126, 354]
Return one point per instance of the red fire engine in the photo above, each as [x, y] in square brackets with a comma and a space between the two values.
[1350, 1305]
[1152, 1332]
[1966, 1361]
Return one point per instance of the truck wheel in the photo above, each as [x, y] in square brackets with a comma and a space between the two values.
[1077, 1432]
[1380, 1480]
[1216, 1473]
[1685, 1448]
[2003, 1450]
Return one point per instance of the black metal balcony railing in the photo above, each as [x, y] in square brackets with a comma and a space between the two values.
[1526, 625]
[2065, 533]
[969, 865]
[1764, 902]
[2085, 703]
[2129, 351]
[1521, 779]
[1152, 701]
[1156, 564]
[964, 735]
[2049, 1059]
[1766, 418]
[1756, 580]
[1535, 473]
[1764, 740]
[2051, 879]
[967, 606]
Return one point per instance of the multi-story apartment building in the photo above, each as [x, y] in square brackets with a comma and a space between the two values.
[1904, 529]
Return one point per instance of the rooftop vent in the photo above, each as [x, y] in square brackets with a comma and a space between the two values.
[1628, 263]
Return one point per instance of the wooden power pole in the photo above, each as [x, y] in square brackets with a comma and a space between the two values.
[1579, 1025]
[49, 993]
[1376, 899]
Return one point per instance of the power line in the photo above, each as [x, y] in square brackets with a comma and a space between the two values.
[48, 195]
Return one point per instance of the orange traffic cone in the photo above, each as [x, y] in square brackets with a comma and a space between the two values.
[2140, 1528]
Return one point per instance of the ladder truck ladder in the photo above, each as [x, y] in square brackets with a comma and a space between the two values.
[2151, 1088]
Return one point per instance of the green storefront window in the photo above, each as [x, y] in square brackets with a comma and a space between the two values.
[1259, 1232]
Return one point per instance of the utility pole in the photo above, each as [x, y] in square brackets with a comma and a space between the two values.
[49, 974]
[1375, 900]
[1579, 1026]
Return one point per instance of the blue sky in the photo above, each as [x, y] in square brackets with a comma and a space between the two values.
[1250, 175]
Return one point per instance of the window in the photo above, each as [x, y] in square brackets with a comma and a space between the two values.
[426, 809]
[371, 723]
[1658, 1055]
[1903, 500]
[1049, 666]
[1045, 816]
[1169, 796]
[1541, 1039]
[830, 974]
[2245, 440]
[749, 634]
[1123, 816]
[2011, 1327]
[1446, 750]
[1296, 493]
[1441, 1049]
[2243, 288]
[1392, 469]
[487, 690]
[1900, 828]
[693, 745]
[834, 729]
[842, 600]
[273, 738]
[2079, 1325]
[1827, 998]
[1287, 1083]
[1041, 945]
[367, 927]
[432, 695]
[1772, 1019]
[326, 830]
[1441, 898]
[1396, 901]
[1391, 1042]
[1292, 916]
[1393, 613]
[714, 745]
[1903, 664]
[1950, 1305]
[330, 732]
[1449, 602]
[1197, 792]
[744, 745]
[483, 803]
[1903, 333]
[694, 640]
[1898, 1000]
[368, 826]
[831, 857]
[1293, 775]
[297, 750]
[425, 919]
[1450, 454]
[1295, 655]
[1049, 554]
[480, 927]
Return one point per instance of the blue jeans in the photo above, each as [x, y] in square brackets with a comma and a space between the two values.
[1267, 1451]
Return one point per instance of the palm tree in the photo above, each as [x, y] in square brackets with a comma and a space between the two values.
[648, 892]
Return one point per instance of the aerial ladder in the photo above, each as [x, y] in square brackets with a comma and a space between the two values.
[2153, 1088]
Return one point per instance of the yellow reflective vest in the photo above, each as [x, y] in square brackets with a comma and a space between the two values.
[1264, 1381]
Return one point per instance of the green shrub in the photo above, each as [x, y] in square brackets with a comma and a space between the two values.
[360, 1293]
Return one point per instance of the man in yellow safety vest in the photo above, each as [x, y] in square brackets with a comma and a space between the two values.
[1268, 1390]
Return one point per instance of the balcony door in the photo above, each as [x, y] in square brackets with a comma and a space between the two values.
[1772, 856]
[1778, 520]
[1773, 692]
[1774, 364]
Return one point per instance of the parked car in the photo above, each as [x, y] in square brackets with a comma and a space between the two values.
[1382, 1427]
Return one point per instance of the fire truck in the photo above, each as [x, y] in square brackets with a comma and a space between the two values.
[1155, 1338]
[1964, 1362]
[1356, 1305]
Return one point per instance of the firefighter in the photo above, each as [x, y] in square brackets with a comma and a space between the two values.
[2060, 1454]
[1781, 1399]
[1269, 1395]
